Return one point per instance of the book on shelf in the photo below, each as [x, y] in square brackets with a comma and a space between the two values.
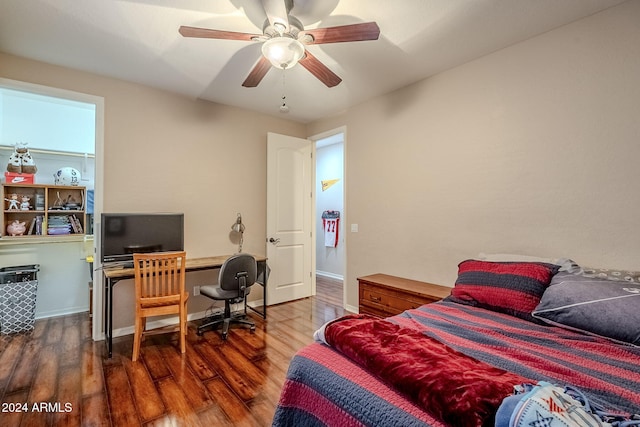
[32, 225]
[59, 224]
[78, 224]
[39, 225]
[75, 224]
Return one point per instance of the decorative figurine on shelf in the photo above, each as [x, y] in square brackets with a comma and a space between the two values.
[15, 163]
[21, 160]
[59, 203]
[24, 204]
[16, 228]
[67, 176]
[28, 164]
[13, 201]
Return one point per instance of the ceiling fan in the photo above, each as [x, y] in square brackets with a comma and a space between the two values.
[284, 39]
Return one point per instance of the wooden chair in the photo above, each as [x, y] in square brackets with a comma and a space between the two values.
[159, 281]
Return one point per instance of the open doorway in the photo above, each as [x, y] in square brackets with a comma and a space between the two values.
[63, 129]
[329, 213]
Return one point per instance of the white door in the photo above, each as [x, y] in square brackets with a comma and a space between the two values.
[289, 215]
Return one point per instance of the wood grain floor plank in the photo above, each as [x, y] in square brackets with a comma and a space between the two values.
[153, 360]
[147, 399]
[9, 358]
[14, 416]
[330, 290]
[179, 410]
[278, 348]
[92, 374]
[252, 345]
[40, 329]
[274, 365]
[191, 386]
[24, 372]
[238, 362]
[269, 390]
[214, 416]
[45, 383]
[5, 339]
[67, 405]
[262, 409]
[236, 382]
[198, 365]
[232, 406]
[71, 342]
[292, 335]
[95, 411]
[123, 411]
[36, 417]
[234, 379]
[86, 325]
[55, 330]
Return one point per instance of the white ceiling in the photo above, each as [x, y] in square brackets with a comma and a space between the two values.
[138, 41]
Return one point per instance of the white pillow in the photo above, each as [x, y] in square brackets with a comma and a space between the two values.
[565, 264]
[514, 258]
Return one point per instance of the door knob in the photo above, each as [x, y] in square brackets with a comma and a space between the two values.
[274, 241]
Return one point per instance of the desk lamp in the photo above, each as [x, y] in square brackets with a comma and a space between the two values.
[238, 227]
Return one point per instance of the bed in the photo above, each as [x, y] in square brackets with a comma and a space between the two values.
[507, 323]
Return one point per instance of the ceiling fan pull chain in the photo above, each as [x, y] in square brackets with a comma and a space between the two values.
[284, 108]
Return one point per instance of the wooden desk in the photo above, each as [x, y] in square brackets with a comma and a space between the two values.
[112, 275]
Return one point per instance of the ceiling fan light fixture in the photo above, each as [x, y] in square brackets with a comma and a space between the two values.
[283, 52]
[280, 27]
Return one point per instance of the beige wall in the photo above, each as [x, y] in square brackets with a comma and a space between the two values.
[164, 152]
[533, 149]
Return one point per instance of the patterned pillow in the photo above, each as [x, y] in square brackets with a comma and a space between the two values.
[607, 308]
[609, 274]
[513, 288]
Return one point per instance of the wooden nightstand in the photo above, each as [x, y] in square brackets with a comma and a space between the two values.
[385, 295]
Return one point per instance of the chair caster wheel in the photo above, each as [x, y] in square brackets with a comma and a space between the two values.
[199, 333]
[252, 329]
[224, 337]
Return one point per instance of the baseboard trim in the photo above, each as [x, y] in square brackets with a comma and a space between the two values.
[167, 321]
[170, 321]
[330, 275]
[63, 312]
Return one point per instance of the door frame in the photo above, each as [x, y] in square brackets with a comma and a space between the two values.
[322, 135]
[97, 319]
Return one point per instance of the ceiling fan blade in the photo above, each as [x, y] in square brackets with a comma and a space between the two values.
[277, 12]
[321, 71]
[310, 11]
[215, 34]
[345, 33]
[257, 73]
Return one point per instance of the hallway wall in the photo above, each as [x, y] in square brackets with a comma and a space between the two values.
[329, 166]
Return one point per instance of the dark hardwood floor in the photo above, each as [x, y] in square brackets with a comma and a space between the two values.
[57, 376]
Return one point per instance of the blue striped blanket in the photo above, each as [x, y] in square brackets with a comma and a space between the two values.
[325, 388]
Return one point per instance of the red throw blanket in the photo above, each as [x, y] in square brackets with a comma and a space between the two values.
[451, 386]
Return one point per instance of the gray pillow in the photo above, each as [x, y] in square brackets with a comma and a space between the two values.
[605, 273]
[608, 308]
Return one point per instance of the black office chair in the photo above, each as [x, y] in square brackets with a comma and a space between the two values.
[237, 275]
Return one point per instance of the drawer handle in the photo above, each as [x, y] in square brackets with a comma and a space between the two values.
[375, 299]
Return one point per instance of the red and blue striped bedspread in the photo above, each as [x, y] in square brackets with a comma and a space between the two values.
[325, 388]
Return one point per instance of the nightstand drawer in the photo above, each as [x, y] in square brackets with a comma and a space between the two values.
[392, 301]
[385, 295]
